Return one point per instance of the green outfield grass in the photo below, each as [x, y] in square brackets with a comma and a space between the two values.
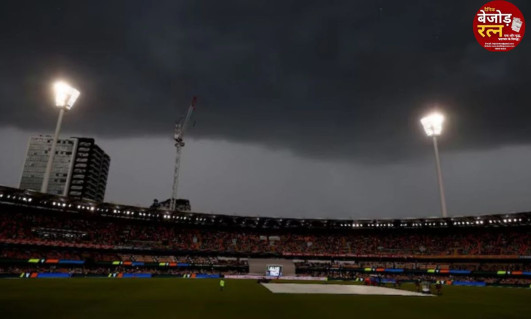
[201, 298]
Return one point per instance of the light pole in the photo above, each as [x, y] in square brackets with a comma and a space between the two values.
[65, 97]
[433, 127]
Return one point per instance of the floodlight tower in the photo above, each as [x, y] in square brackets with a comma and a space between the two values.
[180, 129]
[65, 97]
[433, 127]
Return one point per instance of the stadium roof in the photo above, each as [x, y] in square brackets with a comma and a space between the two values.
[20, 197]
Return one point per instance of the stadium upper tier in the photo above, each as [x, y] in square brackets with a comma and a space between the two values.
[29, 199]
[36, 219]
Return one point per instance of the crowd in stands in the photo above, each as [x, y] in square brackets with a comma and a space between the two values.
[472, 266]
[18, 252]
[59, 230]
[108, 244]
[325, 266]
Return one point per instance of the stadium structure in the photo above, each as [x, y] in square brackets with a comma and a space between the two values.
[43, 235]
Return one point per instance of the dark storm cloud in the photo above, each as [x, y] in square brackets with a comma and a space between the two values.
[333, 79]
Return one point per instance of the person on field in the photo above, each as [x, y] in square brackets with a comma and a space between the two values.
[221, 285]
[438, 287]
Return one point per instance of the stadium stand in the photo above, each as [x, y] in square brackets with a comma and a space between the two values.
[40, 232]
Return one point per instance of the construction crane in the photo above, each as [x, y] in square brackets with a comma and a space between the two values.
[180, 129]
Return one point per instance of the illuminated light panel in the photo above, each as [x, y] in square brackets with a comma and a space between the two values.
[433, 124]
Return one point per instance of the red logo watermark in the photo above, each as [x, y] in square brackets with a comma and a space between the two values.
[499, 26]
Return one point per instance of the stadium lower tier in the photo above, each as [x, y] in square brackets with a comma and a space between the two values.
[405, 276]
[37, 262]
[131, 258]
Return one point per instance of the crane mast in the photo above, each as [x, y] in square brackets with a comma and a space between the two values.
[180, 129]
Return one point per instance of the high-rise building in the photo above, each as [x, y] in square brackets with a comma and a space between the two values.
[90, 171]
[79, 170]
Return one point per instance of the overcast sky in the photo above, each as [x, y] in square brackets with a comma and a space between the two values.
[306, 108]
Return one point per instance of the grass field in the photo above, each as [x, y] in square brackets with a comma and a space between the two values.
[201, 298]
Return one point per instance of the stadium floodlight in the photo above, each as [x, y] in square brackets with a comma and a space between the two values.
[433, 127]
[433, 124]
[65, 97]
